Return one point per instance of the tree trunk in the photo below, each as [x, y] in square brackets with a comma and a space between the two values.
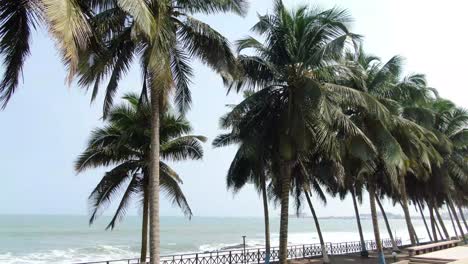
[441, 223]
[364, 252]
[431, 215]
[404, 204]
[317, 226]
[462, 216]
[457, 220]
[144, 227]
[415, 234]
[375, 223]
[438, 231]
[453, 223]
[154, 178]
[283, 239]
[424, 220]
[394, 245]
[267, 221]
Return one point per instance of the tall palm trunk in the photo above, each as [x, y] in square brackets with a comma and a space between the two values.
[404, 205]
[431, 215]
[154, 178]
[457, 220]
[424, 220]
[375, 223]
[387, 224]
[453, 223]
[364, 252]
[283, 239]
[441, 223]
[415, 234]
[144, 227]
[267, 220]
[438, 231]
[462, 216]
[317, 226]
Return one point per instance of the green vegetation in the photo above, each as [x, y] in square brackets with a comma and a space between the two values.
[124, 144]
[319, 114]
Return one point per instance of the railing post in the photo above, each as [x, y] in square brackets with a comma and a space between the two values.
[346, 247]
[258, 256]
[331, 248]
[303, 251]
[230, 257]
[196, 258]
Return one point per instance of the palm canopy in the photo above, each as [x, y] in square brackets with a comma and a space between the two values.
[296, 70]
[162, 35]
[297, 105]
[99, 39]
[451, 125]
[17, 20]
[124, 144]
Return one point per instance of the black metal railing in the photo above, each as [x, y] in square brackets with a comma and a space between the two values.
[258, 255]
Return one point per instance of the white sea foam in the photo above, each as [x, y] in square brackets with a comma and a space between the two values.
[183, 243]
[102, 252]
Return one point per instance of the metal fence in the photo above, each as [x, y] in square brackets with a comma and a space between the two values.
[257, 255]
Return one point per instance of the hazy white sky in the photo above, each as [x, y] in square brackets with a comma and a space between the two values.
[47, 123]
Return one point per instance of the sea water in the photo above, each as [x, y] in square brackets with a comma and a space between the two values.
[69, 239]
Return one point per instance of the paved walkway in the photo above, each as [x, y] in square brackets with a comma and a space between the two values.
[354, 259]
[455, 253]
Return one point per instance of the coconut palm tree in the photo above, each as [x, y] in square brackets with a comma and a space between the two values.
[100, 39]
[410, 141]
[124, 143]
[293, 73]
[250, 164]
[163, 36]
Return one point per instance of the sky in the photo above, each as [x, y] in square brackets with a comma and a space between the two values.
[47, 122]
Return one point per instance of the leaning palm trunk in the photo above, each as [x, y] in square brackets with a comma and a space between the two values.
[415, 234]
[375, 223]
[144, 227]
[364, 252]
[457, 221]
[438, 230]
[441, 223]
[283, 240]
[154, 178]
[453, 223]
[463, 217]
[404, 205]
[387, 224]
[317, 226]
[424, 220]
[433, 222]
[267, 221]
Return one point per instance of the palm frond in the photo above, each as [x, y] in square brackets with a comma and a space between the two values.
[17, 19]
[69, 24]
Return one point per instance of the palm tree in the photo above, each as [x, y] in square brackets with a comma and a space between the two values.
[294, 72]
[124, 144]
[410, 140]
[250, 164]
[99, 39]
[164, 37]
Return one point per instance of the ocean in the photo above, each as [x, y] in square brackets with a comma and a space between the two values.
[67, 239]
